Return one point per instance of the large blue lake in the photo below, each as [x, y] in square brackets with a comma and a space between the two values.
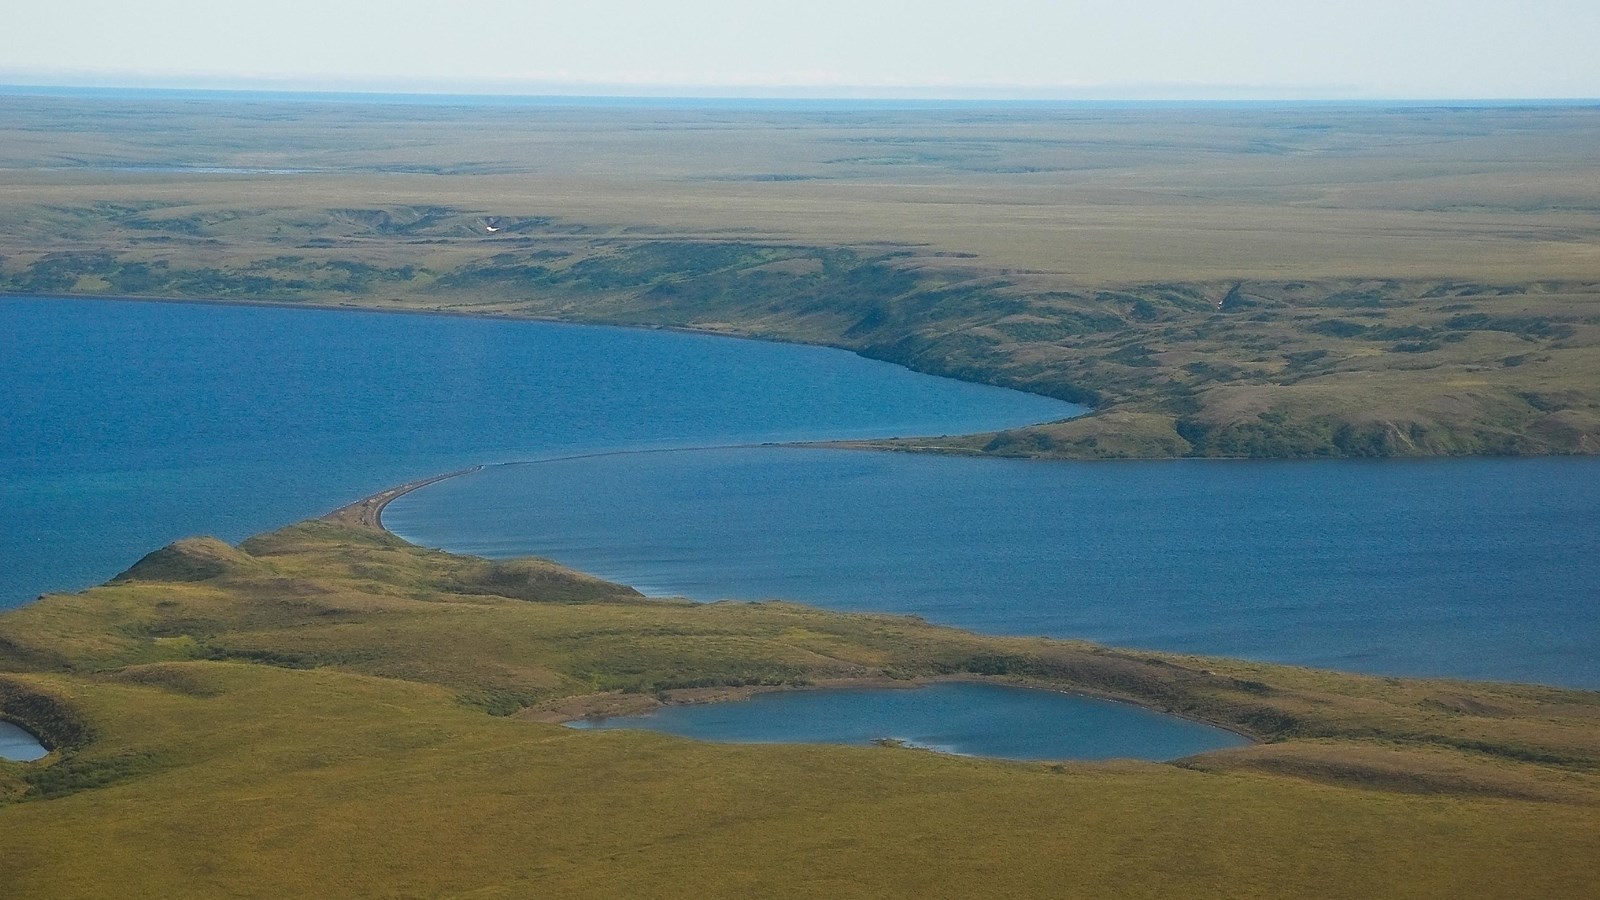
[1481, 568]
[126, 425]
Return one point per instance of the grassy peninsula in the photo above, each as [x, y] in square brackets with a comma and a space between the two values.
[1299, 282]
[328, 710]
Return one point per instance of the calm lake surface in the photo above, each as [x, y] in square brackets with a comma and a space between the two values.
[964, 718]
[19, 745]
[126, 425]
[1479, 568]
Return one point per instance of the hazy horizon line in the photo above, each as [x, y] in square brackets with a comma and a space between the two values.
[15, 82]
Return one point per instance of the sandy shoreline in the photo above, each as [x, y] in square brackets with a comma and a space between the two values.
[368, 511]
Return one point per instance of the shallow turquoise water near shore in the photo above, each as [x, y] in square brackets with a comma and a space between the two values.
[126, 425]
[1475, 568]
[965, 718]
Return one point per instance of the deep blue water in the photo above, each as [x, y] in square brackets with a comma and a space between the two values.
[16, 744]
[970, 719]
[125, 425]
[1482, 568]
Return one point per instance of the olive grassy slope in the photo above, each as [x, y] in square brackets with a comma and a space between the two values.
[327, 710]
[1265, 369]
[1216, 283]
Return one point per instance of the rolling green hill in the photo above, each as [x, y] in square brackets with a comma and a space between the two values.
[329, 711]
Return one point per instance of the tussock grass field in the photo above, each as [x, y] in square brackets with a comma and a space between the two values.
[329, 711]
[1297, 282]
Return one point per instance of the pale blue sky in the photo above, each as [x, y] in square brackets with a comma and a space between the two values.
[1000, 48]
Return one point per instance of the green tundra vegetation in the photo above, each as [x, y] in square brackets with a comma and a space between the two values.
[1310, 282]
[327, 710]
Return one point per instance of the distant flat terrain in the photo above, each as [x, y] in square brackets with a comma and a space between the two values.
[1077, 196]
[1299, 281]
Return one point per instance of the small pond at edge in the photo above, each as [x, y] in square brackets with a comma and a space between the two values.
[18, 745]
